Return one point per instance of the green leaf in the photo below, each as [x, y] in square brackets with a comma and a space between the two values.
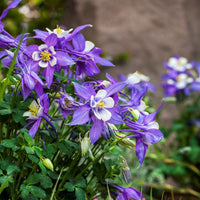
[38, 151]
[64, 148]
[27, 137]
[56, 125]
[24, 191]
[42, 167]
[12, 168]
[80, 182]
[33, 158]
[33, 179]
[5, 111]
[5, 104]
[29, 150]
[69, 187]
[80, 194]
[4, 184]
[37, 192]
[17, 115]
[45, 181]
[9, 143]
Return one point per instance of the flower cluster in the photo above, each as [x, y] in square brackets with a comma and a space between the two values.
[59, 73]
[182, 78]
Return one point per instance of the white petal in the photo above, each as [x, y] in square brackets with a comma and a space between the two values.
[43, 64]
[89, 46]
[36, 55]
[133, 78]
[92, 102]
[49, 31]
[27, 114]
[183, 60]
[42, 46]
[142, 106]
[181, 84]
[105, 114]
[97, 114]
[153, 125]
[172, 61]
[108, 102]
[100, 94]
[53, 61]
[51, 48]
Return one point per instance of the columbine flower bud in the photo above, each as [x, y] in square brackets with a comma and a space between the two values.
[126, 172]
[85, 144]
[47, 163]
[135, 114]
[127, 142]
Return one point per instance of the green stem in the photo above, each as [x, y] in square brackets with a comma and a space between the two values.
[12, 65]
[73, 164]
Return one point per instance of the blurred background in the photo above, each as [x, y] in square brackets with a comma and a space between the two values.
[136, 35]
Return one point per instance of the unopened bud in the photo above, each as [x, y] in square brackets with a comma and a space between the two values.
[85, 144]
[126, 172]
[47, 163]
[135, 113]
[127, 142]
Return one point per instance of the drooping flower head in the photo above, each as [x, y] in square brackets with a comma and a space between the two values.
[38, 110]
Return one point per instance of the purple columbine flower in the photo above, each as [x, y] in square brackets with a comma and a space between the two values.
[86, 55]
[99, 107]
[47, 57]
[38, 110]
[67, 104]
[146, 131]
[30, 80]
[127, 193]
[179, 64]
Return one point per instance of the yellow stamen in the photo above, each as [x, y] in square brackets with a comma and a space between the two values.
[45, 55]
[34, 109]
[179, 62]
[58, 30]
[138, 72]
[67, 103]
[100, 104]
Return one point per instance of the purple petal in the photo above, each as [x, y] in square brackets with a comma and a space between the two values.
[29, 81]
[84, 92]
[132, 193]
[79, 42]
[141, 149]
[36, 77]
[121, 196]
[151, 117]
[76, 30]
[35, 127]
[102, 61]
[114, 88]
[96, 130]
[91, 68]
[13, 4]
[64, 59]
[51, 40]
[49, 71]
[110, 78]
[30, 49]
[41, 34]
[39, 89]
[25, 90]
[44, 101]
[153, 136]
[80, 116]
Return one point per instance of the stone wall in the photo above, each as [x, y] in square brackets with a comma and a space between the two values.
[151, 31]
